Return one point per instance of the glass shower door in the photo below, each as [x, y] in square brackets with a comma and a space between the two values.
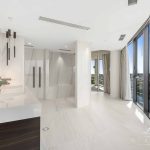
[34, 76]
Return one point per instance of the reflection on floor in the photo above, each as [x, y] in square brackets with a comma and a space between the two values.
[106, 124]
[95, 88]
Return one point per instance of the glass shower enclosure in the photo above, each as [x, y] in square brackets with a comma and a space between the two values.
[49, 74]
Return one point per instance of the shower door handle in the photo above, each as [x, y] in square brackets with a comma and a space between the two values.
[39, 77]
[33, 77]
[14, 51]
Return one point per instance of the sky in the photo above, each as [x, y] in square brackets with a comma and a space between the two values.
[140, 48]
[130, 56]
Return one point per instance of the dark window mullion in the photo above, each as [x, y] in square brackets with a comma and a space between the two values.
[146, 70]
[134, 69]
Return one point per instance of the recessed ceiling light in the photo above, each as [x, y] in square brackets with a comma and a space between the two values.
[132, 2]
[30, 46]
[66, 46]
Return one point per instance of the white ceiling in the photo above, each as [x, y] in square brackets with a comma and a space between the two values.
[108, 19]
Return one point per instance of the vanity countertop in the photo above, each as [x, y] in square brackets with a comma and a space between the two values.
[19, 106]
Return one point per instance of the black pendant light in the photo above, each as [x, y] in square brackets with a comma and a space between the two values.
[9, 36]
[14, 36]
[8, 45]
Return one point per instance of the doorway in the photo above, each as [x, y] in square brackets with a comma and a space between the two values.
[100, 71]
[97, 76]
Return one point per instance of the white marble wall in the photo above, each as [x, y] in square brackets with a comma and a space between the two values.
[58, 79]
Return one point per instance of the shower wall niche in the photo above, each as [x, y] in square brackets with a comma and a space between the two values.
[49, 74]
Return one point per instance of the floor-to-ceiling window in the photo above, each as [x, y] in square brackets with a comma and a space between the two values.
[93, 82]
[130, 58]
[149, 69]
[139, 65]
[99, 67]
[101, 75]
[97, 77]
[140, 71]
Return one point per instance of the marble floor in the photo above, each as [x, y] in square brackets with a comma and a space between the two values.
[106, 124]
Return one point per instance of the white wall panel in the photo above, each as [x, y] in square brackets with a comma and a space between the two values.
[115, 74]
[83, 74]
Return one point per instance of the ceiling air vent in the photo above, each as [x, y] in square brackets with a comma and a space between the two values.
[63, 23]
[66, 50]
[122, 37]
[132, 2]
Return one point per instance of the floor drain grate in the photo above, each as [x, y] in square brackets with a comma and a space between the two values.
[45, 129]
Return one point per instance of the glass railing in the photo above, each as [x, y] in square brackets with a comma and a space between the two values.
[97, 86]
